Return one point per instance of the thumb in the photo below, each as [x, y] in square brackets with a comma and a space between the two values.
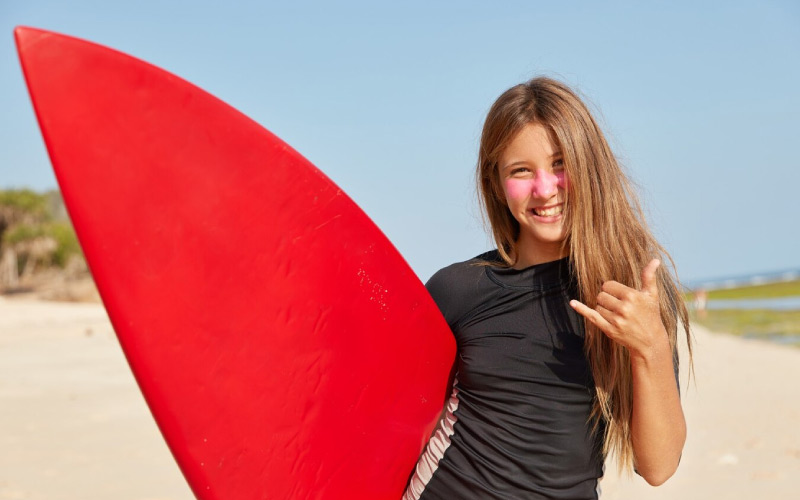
[649, 282]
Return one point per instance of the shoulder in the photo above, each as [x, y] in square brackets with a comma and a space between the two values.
[457, 287]
[459, 276]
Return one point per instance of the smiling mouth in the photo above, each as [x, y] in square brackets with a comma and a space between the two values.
[548, 211]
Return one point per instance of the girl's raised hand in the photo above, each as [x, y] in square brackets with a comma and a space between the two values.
[628, 316]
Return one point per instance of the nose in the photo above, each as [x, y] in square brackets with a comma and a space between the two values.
[545, 184]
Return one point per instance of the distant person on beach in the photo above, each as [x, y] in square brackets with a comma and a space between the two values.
[700, 302]
[566, 331]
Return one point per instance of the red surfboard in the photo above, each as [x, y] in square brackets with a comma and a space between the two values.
[284, 347]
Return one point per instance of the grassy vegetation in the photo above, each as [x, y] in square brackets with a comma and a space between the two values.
[769, 324]
[765, 291]
[763, 323]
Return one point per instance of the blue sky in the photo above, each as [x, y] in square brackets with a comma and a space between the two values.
[700, 102]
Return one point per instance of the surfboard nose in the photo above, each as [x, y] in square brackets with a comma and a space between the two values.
[25, 35]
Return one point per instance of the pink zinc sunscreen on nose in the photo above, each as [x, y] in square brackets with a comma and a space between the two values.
[543, 185]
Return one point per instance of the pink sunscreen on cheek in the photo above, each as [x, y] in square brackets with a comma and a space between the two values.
[518, 189]
[563, 181]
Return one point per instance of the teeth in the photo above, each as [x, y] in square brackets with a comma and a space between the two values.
[549, 212]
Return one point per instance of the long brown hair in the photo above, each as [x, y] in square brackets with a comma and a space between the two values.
[607, 236]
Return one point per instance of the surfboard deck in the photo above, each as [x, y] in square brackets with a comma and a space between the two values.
[284, 347]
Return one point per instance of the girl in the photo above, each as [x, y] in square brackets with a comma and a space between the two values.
[566, 332]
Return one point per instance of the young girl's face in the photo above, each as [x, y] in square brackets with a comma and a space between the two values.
[534, 182]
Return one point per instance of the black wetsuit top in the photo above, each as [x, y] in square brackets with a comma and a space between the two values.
[517, 426]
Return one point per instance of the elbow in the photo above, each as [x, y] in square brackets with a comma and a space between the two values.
[658, 478]
[657, 471]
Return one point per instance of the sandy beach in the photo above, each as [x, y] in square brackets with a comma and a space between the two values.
[73, 424]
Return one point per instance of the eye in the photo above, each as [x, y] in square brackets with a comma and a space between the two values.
[519, 172]
[558, 164]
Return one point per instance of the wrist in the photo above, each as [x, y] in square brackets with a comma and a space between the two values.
[657, 350]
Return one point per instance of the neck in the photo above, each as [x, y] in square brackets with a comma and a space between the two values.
[528, 254]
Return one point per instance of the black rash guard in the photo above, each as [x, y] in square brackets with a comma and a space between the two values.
[517, 425]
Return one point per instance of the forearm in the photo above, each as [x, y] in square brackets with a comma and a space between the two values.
[632, 318]
[658, 427]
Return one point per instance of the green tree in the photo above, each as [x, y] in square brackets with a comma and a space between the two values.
[34, 233]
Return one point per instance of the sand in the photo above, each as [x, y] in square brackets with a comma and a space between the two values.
[73, 424]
